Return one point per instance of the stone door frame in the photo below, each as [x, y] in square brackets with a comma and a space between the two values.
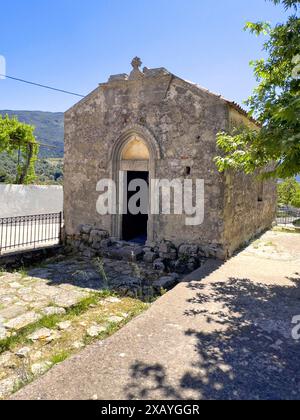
[117, 165]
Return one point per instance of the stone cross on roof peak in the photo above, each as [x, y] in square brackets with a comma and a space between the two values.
[136, 63]
[136, 73]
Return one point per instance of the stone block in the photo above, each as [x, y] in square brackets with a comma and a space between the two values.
[159, 265]
[23, 321]
[85, 229]
[166, 282]
[150, 257]
[97, 235]
[189, 250]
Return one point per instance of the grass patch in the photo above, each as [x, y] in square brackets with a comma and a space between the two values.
[60, 357]
[90, 311]
[51, 321]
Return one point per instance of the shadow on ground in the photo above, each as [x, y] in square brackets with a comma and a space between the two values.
[250, 353]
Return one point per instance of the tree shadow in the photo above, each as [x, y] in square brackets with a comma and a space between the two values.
[248, 354]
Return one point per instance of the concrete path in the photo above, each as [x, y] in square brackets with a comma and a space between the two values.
[225, 333]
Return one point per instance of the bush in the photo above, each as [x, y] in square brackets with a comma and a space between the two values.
[289, 193]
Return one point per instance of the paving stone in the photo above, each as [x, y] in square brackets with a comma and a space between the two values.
[113, 300]
[38, 306]
[4, 333]
[95, 331]
[115, 319]
[63, 326]
[15, 285]
[7, 386]
[23, 321]
[68, 299]
[23, 352]
[38, 369]
[6, 360]
[12, 312]
[45, 291]
[77, 345]
[44, 334]
[7, 300]
[53, 310]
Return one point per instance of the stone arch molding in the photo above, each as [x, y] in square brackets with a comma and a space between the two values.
[115, 154]
[127, 135]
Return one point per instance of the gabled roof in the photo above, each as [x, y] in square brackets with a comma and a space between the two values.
[136, 75]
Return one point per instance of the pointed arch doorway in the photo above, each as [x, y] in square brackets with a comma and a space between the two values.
[135, 165]
[135, 154]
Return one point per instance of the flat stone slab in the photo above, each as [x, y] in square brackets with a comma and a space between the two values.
[53, 310]
[12, 312]
[23, 321]
[68, 299]
[44, 334]
[95, 330]
[7, 386]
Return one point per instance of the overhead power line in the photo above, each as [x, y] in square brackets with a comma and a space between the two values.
[42, 86]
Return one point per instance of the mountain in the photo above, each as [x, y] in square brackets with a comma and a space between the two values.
[49, 129]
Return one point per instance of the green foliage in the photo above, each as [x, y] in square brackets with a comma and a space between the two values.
[289, 193]
[60, 357]
[48, 171]
[49, 130]
[18, 137]
[275, 103]
[296, 199]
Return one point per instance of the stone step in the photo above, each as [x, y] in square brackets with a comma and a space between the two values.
[124, 251]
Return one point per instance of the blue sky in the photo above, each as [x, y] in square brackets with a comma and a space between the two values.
[76, 44]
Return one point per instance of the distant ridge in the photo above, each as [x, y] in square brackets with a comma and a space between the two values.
[49, 129]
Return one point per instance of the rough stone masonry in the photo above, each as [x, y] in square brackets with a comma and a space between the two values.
[153, 122]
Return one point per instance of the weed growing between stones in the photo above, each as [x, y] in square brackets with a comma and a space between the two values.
[60, 357]
[99, 264]
[50, 321]
[30, 352]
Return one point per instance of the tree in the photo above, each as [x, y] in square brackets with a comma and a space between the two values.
[289, 192]
[18, 137]
[275, 104]
[296, 199]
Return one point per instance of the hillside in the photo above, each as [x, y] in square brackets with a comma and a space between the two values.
[49, 129]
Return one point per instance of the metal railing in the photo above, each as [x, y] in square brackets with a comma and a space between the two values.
[30, 232]
[287, 215]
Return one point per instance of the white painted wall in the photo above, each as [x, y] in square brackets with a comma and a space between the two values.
[19, 200]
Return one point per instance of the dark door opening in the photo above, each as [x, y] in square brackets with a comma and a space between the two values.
[135, 227]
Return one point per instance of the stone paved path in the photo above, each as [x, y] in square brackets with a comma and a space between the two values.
[51, 312]
[225, 333]
[27, 297]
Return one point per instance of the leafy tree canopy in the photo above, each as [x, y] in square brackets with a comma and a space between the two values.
[289, 192]
[275, 104]
[16, 136]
